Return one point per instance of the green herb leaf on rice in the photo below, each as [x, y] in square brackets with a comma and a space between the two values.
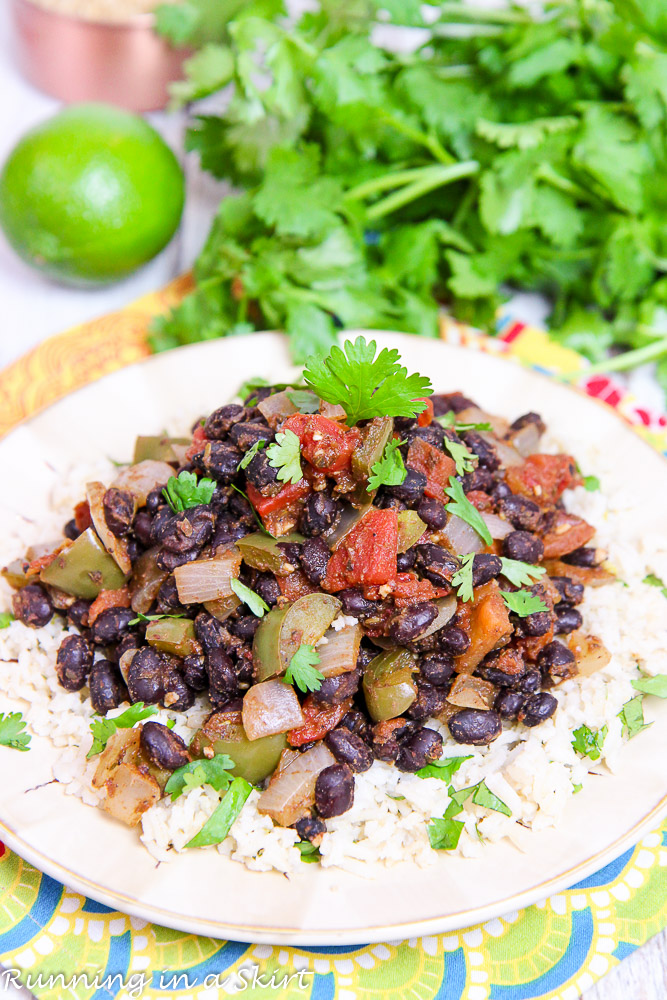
[218, 825]
[589, 742]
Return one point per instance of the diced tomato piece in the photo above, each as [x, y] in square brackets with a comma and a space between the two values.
[436, 466]
[295, 585]
[108, 599]
[409, 589]
[324, 443]
[288, 494]
[198, 439]
[82, 517]
[426, 416]
[320, 720]
[480, 499]
[367, 554]
[543, 477]
[566, 533]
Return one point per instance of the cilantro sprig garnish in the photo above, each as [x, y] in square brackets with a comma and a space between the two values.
[521, 573]
[184, 491]
[589, 742]
[654, 581]
[656, 685]
[12, 731]
[390, 469]
[523, 602]
[461, 506]
[464, 459]
[367, 386]
[310, 854]
[220, 822]
[103, 729]
[257, 604]
[6, 618]
[462, 579]
[142, 618]
[302, 672]
[632, 717]
[444, 833]
[285, 456]
[214, 772]
[442, 769]
[250, 454]
[449, 420]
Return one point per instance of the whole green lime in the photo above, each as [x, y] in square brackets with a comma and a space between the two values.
[90, 195]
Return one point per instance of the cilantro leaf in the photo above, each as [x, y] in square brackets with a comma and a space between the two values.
[652, 685]
[285, 456]
[523, 603]
[449, 420]
[464, 459]
[309, 852]
[589, 742]
[302, 671]
[218, 825]
[141, 617]
[257, 604]
[591, 483]
[11, 731]
[367, 386]
[250, 386]
[103, 729]
[194, 774]
[6, 618]
[444, 834]
[632, 717]
[443, 769]
[462, 507]
[521, 573]
[184, 492]
[304, 400]
[576, 788]
[483, 796]
[654, 581]
[462, 579]
[390, 470]
[250, 454]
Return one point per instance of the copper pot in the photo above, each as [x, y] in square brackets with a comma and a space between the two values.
[74, 59]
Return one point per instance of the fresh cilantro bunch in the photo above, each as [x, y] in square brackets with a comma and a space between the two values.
[183, 491]
[511, 149]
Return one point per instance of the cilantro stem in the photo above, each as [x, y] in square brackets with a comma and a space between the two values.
[550, 176]
[470, 13]
[421, 138]
[387, 181]
[413, 191]
[629, 359]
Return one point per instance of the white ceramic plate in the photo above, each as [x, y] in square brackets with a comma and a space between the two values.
[205, 893]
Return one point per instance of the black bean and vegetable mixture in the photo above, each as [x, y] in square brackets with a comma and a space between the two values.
[330, 564]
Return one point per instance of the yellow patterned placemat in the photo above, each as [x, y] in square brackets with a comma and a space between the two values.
[62, 945]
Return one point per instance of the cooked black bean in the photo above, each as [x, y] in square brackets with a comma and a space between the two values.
[143, 528]
[71, 531]
[267, 587]
[411, 490]
[130, 640]
[187, 530]
[567, 619]
[433, 434]
[437, 668]
[223, 682]
[170, 560]
[474, 726]
[479, 479]
[161, 522]
[498, 677]
[118, 511]
[222, 420]
[145, 676]
[228, 530]
[244, 436]
[429, 701]
[110, 625]
[167, 599]
[319, 515]
[529, 418]
[73, 662]
[523, 546]
[419, 749]
[194, 672]
[77, 613]
[310, 828]
[453, 639]
[262, 475]
[32, 606]
[556, 659]
[220, 461]
[163, 747]
[484, 568]
[314, 557]
[335, 690]
[387, 736]
[486, 453]
[350, 749]
[357, 722]
[432, 512]
[107, 688]
[436, 564]
[242, 510]
[134, 549]
[177, 694]
[155, 500]
[366, 654]
[571, 592]
[355, 604]
[386, 502]
[410, 622]
[244, 627]
[334, 790]
[530, 682]
[406, 560]
[508, 703]
[522, 513]
[221, 497]
[501, 490]
[582, 557]
[450, 402]
[537, 709]
[536, 624]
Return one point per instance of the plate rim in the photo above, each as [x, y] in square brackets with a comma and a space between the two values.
[325, 938]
